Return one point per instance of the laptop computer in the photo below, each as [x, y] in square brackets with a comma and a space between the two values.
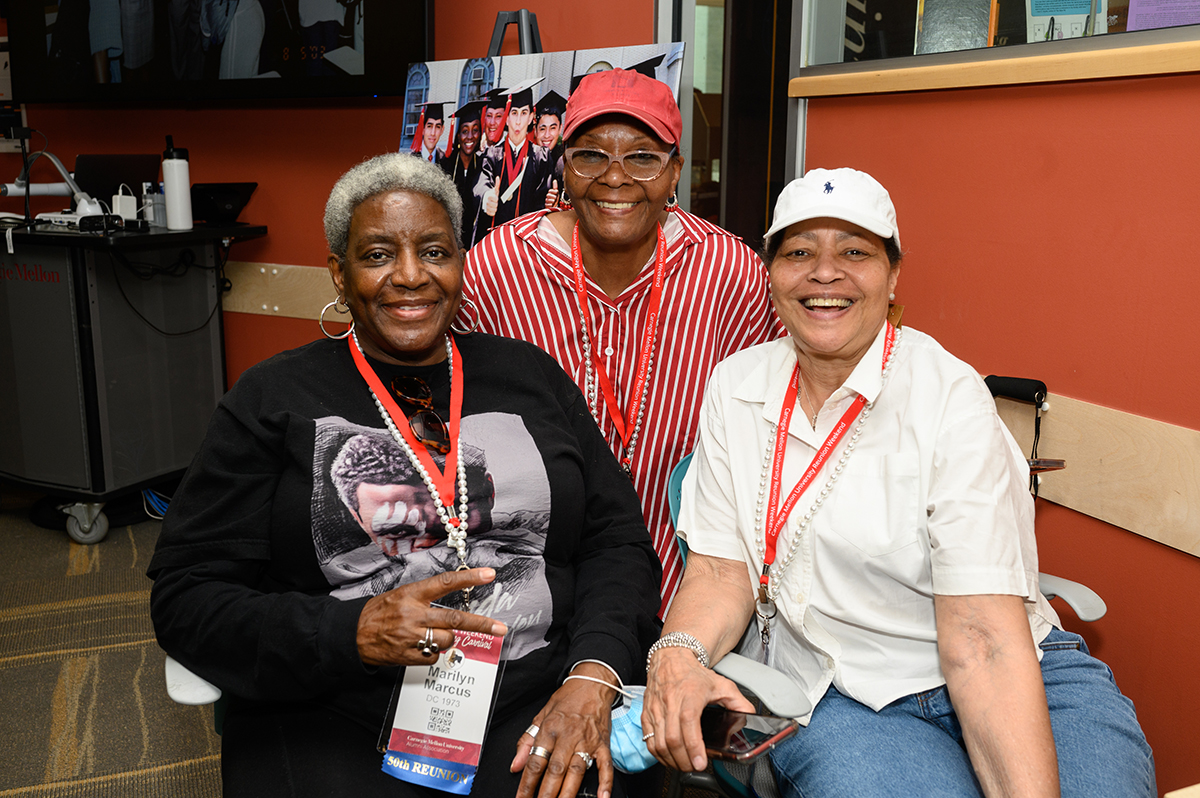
[220, 203]
[101, 175]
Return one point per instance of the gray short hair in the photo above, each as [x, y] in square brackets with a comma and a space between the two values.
[393, 171]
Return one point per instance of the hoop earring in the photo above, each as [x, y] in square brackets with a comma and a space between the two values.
[474, 323]
[334, 304]
[672, 203]
[564, 201]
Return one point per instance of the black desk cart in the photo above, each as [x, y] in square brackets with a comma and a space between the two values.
[111, 360]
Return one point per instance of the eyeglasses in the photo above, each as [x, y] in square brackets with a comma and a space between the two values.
[413, 393]
[641, 165]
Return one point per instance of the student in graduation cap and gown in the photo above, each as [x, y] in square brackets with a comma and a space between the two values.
[429, 131]
[464, 163]
[547, 129]
[518, 174]
[492, 117]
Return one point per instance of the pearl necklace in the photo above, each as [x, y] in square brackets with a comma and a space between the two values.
[590, 392]
[456, 533]
[760, 523]
[628, 426]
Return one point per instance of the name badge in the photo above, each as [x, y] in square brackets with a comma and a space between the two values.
[441, 715]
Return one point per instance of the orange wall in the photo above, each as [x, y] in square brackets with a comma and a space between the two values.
[296, 150]
[463, 28]
[1050, 233]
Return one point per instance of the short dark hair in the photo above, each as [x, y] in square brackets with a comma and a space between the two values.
[376, 459]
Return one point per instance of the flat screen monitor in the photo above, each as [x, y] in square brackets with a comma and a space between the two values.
[179, 50]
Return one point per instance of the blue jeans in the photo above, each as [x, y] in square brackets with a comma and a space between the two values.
[914, 746]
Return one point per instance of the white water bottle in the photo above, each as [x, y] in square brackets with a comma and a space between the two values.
[177, 186]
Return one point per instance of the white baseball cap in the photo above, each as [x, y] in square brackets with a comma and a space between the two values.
[846, 194]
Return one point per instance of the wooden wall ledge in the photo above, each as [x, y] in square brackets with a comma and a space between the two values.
[999, 66]
[1133, 472]
[277, 289]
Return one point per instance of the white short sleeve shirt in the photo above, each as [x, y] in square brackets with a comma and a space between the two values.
[934, 499]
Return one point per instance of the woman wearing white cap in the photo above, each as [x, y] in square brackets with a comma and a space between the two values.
[854, 491]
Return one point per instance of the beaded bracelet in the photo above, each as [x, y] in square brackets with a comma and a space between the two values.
[679, 640]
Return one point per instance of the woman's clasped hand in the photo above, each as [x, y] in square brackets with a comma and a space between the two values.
[671, 712]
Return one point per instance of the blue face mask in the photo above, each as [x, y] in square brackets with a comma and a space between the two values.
[629, 752]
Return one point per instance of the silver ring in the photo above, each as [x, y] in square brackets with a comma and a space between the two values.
[428, 646]
[647, 736]
[537, 750]
[587, 759]
[532, 730]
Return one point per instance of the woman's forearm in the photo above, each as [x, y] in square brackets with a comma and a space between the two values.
[714, 604]
[271, 647]
[995, 683]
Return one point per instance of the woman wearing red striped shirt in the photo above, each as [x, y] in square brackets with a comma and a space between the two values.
[637, 299]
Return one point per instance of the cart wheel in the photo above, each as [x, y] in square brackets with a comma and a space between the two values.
[95, 534]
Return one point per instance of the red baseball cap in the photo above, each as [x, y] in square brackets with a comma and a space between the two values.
[623, 91]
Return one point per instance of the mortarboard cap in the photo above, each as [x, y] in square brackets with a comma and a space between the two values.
[470, 111]
[433, 110]
[551, 103]
[649, 67]
[495, 99]
[522, 93]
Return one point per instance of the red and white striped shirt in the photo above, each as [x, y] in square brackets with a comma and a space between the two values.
[715, 302]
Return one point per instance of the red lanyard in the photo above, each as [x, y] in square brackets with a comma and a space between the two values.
[777, 517]
[624, 424]
[443, 480]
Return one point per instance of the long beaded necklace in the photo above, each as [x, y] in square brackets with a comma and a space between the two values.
[628, 427]
[768, 527]
[456, 526]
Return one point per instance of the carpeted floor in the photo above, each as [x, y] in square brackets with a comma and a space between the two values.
[83, 705]
[84, 711]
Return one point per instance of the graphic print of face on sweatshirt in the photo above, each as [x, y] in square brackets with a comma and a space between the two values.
[375, 526]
